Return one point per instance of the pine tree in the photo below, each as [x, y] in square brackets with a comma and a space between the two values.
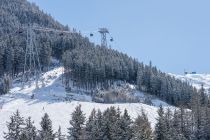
[98, 127]
[176, 125]
[91, 126]
[142, 128]
[76, 131]
[59, 135]
[139, 79]
[197, 115]
[126, 126]
[15, 127]
[46, 132]
[203, 96]
[181, 126]
[94, 126]
[207, 128]
[202, 135]
[112, 119]
[106, 125]
[160, 127]
[11, 135]
[117, 131]
[170, 133]
[30, 130]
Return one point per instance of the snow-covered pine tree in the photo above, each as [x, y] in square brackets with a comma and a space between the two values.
[117, 131]
[94, 126]
[59, 135]
[203, 96]
[46, 132]
[126, 126]
[30, 130]
[106, 124]
[207, 127]
[139, 79]
[76, 131]
[160, 127]
[170, 133]
[10, 135]
[112, 119]
[45, 54]
[98, 127]
[176, 125]
[196, 112]
[202, 135]
[15, 127]
[91, 125]
[141, 127]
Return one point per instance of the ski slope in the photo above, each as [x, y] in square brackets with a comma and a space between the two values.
[51, 99]
[196, 80]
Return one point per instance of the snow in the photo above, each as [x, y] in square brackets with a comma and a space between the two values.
[52, 99]
[157, 102]
[196, 80]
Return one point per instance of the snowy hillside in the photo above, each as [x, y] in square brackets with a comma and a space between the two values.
[196, 80]
[53, 99]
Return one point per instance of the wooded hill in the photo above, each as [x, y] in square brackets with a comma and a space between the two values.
[87, 65]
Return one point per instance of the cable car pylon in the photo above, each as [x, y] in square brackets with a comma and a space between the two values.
[104, 32]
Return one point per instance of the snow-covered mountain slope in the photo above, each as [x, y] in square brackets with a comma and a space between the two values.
[52, 99]
[196, 80]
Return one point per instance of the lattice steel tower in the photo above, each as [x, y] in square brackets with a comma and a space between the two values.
[32, 68]
[103, 32]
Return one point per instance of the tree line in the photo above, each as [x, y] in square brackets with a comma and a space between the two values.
[183, 124]
[93, 67]
[112, 124]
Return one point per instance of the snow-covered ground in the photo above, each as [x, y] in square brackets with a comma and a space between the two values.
[196, 80]
[51, 99]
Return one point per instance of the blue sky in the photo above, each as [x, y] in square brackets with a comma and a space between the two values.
[174, 35]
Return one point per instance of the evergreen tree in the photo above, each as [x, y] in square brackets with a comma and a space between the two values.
[197, 115]
[142, 128]
[46, 132]
[112, 119]
[30, 130]
[126, 126]
[76, 131]
[207, 126]
[106, 125]
[94, 126]
[59, 135]
[139, 78]
[176, 126]
[15, 127]
[171, 133]
[91, 126]
[160, 127]
[117, 130]
[98, 127]
[203, 96]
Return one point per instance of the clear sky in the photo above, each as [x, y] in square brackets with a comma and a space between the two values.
[173, 34]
